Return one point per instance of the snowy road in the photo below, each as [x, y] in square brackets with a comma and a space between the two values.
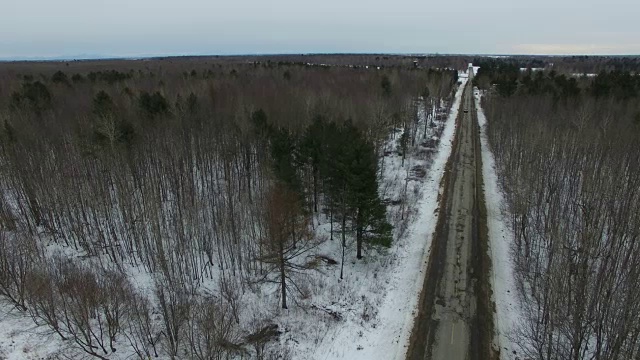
[454, 304]
[443, 329]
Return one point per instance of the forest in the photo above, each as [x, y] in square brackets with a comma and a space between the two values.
[568, 160]
[144, 201]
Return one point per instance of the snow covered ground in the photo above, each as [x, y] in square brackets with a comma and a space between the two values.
[400, 279]
[500, 237]
[367, 315]
[21, 339]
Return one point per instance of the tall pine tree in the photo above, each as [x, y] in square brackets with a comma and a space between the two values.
[352, 186]
[362, 184]
[283, 154]
[312, 151]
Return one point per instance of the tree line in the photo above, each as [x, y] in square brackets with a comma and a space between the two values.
[507, 79]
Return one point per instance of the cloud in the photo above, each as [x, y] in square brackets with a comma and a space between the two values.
[577, 49]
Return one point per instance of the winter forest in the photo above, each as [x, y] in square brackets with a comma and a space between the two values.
[284, 207]
[568, 160]
[178, 208]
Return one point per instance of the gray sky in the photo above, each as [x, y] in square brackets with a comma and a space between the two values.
[50, 28]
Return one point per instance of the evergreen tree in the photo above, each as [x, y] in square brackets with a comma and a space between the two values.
[259, 121]
[385, 83]
[362, 184]
[352, 185]
[77, 78]
[102, 104]
[311, 151]
[283, 154]
[192, 104]
[153, 105]
[35, 96]
[336, 172]
[60, 78]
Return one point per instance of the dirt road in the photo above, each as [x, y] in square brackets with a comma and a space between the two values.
[446, 327]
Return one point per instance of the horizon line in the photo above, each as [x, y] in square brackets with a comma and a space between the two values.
[88, 57]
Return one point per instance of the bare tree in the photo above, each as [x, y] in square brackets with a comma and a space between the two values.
[143, 332]
[19, 255]
[572, 190]
[175, 305]
[287, 238]
[212, 332]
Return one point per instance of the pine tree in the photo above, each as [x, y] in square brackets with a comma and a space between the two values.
[362, 183]
[152, 105]
[352, 186]
[35, 96]
[60, 78]
[334, 173]
[385, 83]
[283, 154]
[102, 104]
[311, 151]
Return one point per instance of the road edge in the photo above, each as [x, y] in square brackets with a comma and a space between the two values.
[431, 280]
[483, 326]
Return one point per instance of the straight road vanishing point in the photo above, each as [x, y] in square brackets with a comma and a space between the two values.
[446, 326]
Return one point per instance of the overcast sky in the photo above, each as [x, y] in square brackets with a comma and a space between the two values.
[53, 28]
